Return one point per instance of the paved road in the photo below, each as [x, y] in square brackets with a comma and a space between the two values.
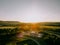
[28, 42]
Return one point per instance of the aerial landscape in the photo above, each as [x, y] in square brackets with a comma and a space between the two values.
[29, 22]
[19, 33]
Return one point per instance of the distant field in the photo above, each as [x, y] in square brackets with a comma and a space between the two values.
[7, 27]
[10, 30]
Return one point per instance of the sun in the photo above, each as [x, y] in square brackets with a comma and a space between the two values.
[31, 19]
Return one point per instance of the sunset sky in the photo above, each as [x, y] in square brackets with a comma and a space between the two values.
[30, 10]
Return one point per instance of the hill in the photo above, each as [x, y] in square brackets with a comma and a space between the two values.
[9, 23]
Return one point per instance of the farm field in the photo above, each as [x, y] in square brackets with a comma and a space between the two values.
[44, 33]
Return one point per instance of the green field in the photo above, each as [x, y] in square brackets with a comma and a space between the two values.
[9, 33]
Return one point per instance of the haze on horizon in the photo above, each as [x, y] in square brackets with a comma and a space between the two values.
[30, 10]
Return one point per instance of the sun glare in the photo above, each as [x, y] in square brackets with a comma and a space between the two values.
[31, 19]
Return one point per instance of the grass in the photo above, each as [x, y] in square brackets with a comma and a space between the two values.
[51, 34]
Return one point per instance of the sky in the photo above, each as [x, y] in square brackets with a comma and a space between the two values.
[30, 10]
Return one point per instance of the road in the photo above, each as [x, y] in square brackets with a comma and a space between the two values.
[27, 42]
